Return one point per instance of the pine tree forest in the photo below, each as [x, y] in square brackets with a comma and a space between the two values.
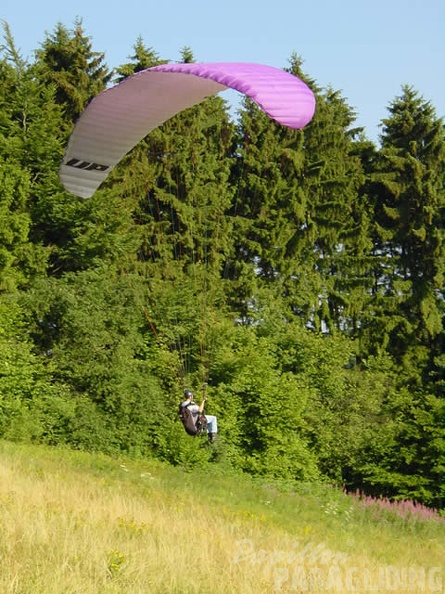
[295, 275]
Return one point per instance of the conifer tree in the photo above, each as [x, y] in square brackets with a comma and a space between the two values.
[30, 150]
[176, 183]
[302, 223]
[404, 317]
[14, 181]
[332, 228]
[78, 234]
[142, 58]
[67, 60]
[409, 201]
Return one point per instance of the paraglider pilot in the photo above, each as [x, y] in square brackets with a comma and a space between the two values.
[195, 410]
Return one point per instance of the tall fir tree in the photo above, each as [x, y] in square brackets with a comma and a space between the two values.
[143, 57]
[77, 234]
[14, 180]
[409, 200]
[67, 60]
[30, 148]
[300, 220]
[176, 181]
[405, 315]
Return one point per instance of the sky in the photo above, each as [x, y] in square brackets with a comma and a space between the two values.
[365, 49]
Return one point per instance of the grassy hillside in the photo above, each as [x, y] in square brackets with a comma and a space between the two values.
[79, 523]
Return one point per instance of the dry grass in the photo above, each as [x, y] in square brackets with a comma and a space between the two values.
[75, 523]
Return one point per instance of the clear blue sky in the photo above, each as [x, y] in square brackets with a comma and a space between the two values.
[366, 49]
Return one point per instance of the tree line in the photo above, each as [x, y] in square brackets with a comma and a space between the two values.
[297, 274]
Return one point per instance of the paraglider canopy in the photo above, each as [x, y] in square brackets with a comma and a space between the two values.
[119, 117]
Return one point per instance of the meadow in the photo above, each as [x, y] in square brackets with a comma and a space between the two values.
[79, 523]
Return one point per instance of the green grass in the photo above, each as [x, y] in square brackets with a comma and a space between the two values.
[73, 522]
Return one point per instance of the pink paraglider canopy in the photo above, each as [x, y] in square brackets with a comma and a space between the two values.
[118, 118]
